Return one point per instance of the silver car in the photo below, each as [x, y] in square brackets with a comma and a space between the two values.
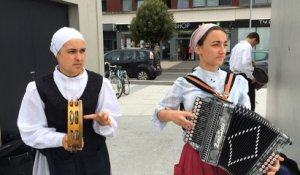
[260, 57]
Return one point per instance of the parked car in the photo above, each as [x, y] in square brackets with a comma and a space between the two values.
[139, 63]
[260, 57]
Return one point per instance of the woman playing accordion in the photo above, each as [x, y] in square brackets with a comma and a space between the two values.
[209, 42]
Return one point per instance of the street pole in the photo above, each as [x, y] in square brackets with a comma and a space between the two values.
[250, 19]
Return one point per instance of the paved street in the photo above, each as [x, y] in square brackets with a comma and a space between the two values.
[141, 149]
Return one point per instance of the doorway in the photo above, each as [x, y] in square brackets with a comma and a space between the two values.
[25, 40]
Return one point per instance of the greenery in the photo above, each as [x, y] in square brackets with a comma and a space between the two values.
[153, 23]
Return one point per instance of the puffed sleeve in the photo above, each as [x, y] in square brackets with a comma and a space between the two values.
[171, 100]
[108, 102]
[32, 122]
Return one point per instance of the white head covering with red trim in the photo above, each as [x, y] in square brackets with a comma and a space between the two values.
[198, 34]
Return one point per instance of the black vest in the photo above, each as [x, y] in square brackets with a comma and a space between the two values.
[93, 159]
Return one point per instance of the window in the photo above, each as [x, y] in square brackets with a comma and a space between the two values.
[113, 56]
[262, 1]
[212, 2]
[198, 3]
[104, 8]
[203, 3]
[126, 5]
[182, 4]
[245, 2]
[225, 2]
[264, 36]
[142, 55]
[259, 56]
[139, 3]
[255, 2]
[168, 3]
[128, 55]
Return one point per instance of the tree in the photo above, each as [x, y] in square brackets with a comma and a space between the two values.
[153, 22]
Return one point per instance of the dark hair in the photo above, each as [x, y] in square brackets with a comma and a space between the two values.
[254, 35]
[202, 39]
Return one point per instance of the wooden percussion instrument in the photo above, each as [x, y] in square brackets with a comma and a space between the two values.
[75, 123]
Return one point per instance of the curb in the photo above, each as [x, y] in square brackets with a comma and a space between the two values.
[177, 70]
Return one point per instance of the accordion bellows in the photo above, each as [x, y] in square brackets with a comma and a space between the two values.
[234, 138]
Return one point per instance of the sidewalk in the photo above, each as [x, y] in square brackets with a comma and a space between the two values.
[139, 148]
[178, 65]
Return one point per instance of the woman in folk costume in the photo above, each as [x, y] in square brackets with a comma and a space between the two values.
[209, 42]
[42, 119]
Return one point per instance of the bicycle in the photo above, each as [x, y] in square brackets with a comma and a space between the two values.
[122, 75]
[118, 78]
[110, 73]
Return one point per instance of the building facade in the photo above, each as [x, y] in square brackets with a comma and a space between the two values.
[237, 17]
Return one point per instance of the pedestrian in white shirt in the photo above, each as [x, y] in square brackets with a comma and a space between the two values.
[42, 119]
[241, 62]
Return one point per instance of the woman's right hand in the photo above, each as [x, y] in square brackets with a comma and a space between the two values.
[180, 118]
[183, 119]
[66, 145]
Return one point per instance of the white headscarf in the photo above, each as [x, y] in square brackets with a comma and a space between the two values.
[62, 36]
[198, 34]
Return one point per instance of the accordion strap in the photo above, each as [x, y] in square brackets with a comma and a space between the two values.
[228, 83]
[202, 85]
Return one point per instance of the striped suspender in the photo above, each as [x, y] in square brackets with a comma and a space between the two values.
[202, 85]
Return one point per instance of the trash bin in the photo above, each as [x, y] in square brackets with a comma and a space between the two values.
[16, 158]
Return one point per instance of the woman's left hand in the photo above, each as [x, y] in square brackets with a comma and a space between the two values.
[101, 117]
[275, 167]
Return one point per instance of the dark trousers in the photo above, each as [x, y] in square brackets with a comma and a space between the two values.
[251, 93]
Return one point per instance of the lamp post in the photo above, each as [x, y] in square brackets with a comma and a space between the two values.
[250, 19]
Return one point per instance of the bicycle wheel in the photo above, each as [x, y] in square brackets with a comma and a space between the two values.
[126, 84]
[116, 85]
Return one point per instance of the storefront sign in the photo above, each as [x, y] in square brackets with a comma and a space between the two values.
[264, 22]
[182, 26]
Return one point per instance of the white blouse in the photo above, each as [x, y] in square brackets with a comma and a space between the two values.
[32, 121]
[185, 92]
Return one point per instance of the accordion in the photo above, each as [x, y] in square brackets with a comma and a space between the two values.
[234, 138]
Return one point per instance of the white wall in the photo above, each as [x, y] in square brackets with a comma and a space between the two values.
[283, 89]
[86, 16]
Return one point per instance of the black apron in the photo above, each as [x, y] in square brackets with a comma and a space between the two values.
[94, 158]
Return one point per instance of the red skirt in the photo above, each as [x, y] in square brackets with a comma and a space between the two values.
[191, 164]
